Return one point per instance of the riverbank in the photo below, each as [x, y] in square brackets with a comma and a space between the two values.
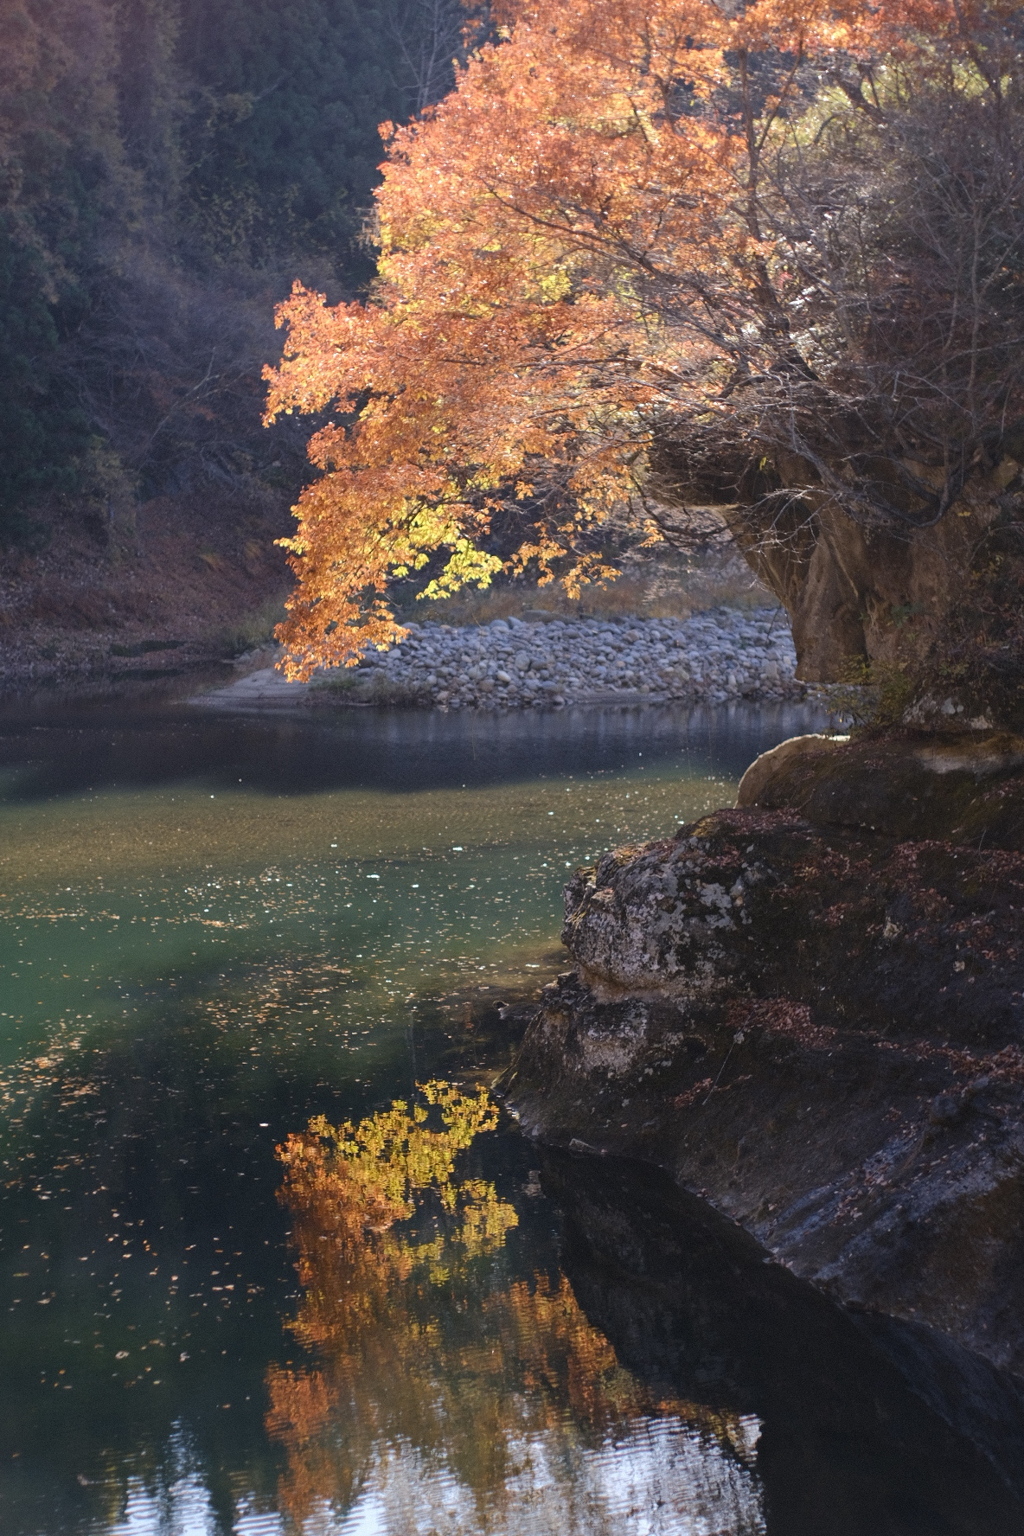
[722, 655]
[168, 592]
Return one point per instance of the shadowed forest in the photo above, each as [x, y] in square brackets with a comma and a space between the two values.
[167, 168]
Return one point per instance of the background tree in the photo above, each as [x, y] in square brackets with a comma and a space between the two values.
[767, 262]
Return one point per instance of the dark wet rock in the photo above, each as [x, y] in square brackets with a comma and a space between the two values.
[821, 1030]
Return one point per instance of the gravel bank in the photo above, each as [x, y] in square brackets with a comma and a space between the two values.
[529, 663]
[514, 663]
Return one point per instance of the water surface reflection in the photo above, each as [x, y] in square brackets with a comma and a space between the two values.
[214, 930]
[211, 929]
[452, 1388]
[868, 1427]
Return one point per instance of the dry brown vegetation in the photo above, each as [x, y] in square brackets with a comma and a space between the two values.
[169, 588]
[657, 583]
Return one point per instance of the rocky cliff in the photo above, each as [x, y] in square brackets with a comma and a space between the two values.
[810, 1010]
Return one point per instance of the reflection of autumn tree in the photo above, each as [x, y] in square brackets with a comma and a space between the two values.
[424, 1339]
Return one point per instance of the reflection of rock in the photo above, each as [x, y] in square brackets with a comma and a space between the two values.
[847, 1447]
[819, 1027]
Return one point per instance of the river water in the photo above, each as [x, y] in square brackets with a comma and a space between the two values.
[216, 1321]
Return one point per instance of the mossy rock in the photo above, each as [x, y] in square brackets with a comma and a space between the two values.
[966, 789]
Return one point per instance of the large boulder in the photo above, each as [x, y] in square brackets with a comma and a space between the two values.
[818, 1026]
[964, 788]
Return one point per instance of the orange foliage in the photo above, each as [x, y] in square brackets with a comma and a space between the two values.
[421, 1336]
[572, 246]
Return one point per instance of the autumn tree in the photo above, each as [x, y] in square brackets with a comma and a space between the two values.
[681, 255]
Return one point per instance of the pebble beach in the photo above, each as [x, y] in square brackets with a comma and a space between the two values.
[548, 662]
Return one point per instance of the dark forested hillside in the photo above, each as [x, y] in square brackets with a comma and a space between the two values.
[281, 143]
[167, 168]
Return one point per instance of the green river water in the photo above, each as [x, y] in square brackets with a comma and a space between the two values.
[216, 927]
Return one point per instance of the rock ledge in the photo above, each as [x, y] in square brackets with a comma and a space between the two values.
[818, 1027]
